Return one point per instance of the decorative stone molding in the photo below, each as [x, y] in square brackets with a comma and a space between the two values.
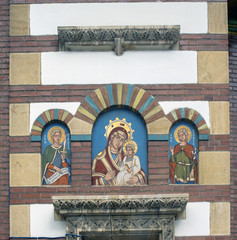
[121, 216]
[118, 39]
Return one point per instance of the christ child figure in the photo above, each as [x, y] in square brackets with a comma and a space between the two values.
[130, 166]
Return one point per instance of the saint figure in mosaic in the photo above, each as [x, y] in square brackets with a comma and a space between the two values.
[130, 166]
[183, 162]
[108, 163]
[56, 159]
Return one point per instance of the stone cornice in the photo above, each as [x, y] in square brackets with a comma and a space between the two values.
[173, 203]
[121, 216]
[119, 38]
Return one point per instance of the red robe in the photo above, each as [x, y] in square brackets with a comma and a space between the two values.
[104, 163]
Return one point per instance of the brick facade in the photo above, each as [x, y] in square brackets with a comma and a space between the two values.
[233, 123]
[158, 166]
[4, 119]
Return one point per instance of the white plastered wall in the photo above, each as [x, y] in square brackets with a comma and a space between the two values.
[45, 18]
[151, 67]
[197, 222]
[133, 67]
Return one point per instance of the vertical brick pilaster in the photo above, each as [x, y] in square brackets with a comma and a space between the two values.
[4, 118]
[233, 132]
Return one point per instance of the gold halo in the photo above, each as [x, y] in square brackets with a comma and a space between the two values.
[126, 143]
[176, 133]
[119, 123]
[62, 136]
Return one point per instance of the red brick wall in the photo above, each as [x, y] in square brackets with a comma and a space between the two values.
[4, 119]
[233, 133]
[194, 42]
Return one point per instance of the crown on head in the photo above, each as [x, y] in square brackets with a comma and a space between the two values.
[119, 123]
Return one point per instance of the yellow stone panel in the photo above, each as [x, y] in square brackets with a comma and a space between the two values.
[83, 111]
[120, 92]
[219, 118]
[25, 68]
[19, 119]
[19, 19]
[78, 126]
[25, 169]
[101, 98]
[217, 18]
[160, 126]
[20, 220]
[213, 67]
[220, 218]
[214, 168]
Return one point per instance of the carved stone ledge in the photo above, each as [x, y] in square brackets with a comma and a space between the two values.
[118, 39]
[122, 216]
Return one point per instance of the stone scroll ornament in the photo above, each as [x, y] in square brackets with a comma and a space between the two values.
[183, 153]
[118, 39]
[118, 163]
[56, 155]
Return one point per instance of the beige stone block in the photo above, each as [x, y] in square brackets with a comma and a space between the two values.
[20, 220]
[160, 126]
[25, 68]
[78, 126]
[213, 67]
[220, 218]
[25, 169]
[217, 18]
[19, 19]
[214, 168]
[219, 118]
[19, 119]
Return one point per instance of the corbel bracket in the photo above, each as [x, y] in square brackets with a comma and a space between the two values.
[118, 39]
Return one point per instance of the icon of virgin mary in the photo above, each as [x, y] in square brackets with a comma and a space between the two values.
[105, 167]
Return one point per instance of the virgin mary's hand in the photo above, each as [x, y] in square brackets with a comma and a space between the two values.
[109, 176]
[132, 180]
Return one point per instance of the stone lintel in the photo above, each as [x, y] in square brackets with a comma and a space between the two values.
[164, 203]
[119, 38]
[121, 216]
